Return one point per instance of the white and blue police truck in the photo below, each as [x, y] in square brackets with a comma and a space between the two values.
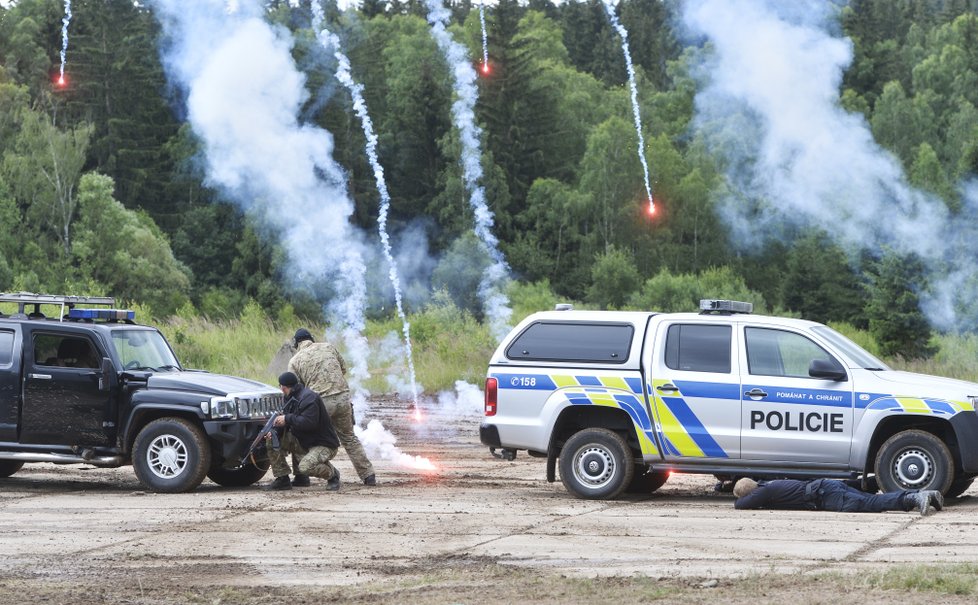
[620, 400]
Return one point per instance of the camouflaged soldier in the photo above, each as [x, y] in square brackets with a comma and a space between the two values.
[320, 367]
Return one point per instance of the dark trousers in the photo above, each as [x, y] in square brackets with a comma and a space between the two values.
[837, 496]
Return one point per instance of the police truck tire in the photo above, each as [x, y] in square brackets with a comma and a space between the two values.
[171, 455]
[9, 467]
[959, 486]
[914, 459]
[645, 481]
[596, 464]
[243, 476]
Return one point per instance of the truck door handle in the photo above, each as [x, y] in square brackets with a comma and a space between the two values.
[667, 388]
[755, 392]
[41, 376]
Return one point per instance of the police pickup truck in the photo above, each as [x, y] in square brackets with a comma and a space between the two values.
[622, 399]
[90, 386]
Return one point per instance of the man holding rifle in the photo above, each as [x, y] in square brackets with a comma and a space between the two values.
[306, 433]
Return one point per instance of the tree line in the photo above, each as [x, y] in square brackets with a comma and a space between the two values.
[101, 189]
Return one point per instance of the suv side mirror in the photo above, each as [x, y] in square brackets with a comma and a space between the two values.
[826, 368]
[108, 378]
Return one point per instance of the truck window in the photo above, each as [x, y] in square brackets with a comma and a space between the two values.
[698, 348]
[571, 341]
[6, 347]
[780, 353]
[64, 351]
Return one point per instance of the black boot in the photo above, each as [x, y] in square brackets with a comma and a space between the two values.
[300, 480]
[936, 498]
[370, 480]
[333, 483]
[280, 483]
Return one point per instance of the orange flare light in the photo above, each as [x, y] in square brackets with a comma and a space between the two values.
[60, 81]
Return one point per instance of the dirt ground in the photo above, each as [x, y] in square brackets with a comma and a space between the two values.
[476, 530]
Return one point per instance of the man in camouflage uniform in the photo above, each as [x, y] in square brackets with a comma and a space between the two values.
[307, 434]
[321, 368]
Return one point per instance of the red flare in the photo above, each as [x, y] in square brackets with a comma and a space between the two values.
[416, 414]
[485, 68]
[651, 208]
[60, 81]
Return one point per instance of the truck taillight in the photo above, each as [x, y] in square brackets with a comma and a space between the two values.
[491, 384]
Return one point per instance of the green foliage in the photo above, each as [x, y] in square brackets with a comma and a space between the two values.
[613, 279]
[125, 250]
[820, 284]
[531, 297]
[670, 293]
[459, 272]
[895, 318]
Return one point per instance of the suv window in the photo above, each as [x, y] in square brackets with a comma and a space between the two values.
[6, 347]
[780, 353]
[571, 341]
[64, 351]
[698, 348]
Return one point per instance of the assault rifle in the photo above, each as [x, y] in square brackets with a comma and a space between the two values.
[268, 429]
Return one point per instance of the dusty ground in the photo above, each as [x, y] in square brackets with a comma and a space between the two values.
[476, 530]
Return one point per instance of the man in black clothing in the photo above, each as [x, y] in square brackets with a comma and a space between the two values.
[306, 433]
[829, 494]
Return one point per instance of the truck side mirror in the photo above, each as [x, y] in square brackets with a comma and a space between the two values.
[826, 368]
[108, 379]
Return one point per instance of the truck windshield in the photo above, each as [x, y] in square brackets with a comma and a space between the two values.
[855, 353]
[143, 350]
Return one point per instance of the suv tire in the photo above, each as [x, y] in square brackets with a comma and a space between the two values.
[914, 460]
[171, 455]
[959, 486]
[9, 467]
[596, 464]
[243, 476]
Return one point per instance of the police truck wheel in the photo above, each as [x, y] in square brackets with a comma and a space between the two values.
[596, 464]
[9, 467]
[645, 481]
[914, 460]
[249, 474]
[959, 486]
[171, 455]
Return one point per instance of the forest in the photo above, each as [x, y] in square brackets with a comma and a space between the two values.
[103, 189]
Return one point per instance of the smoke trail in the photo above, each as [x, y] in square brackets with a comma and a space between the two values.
[485, 42]
[64, 40]
[770, 105]
[243, 94]
[329, 40]
[610, 9]
[494, 280]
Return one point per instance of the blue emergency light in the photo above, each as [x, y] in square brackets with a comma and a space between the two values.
[111, 314]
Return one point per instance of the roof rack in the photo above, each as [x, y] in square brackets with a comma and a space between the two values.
[65, 302]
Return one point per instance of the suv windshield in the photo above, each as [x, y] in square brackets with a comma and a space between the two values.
[143, 350]
[856, 354]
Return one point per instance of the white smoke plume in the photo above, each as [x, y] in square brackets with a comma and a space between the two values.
[770, 106]
[494, 280]
[633, 89]
[329, 40]
[243, 96]
[65, 21]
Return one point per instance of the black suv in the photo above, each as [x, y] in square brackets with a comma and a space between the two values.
[90, 386]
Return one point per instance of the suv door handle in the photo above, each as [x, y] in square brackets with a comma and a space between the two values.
[40, 376]
[755, 392]
[667, 388]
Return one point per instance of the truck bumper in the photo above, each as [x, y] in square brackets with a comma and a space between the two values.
[232, 437]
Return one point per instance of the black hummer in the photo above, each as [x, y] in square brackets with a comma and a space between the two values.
[90, 386]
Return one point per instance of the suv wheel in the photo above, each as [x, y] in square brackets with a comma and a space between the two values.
[596, 464]
[171, 455]
[242, 476]
[9, 467]
[914, 460]
[959, 486]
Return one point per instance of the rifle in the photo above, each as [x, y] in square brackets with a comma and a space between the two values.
[268, 429]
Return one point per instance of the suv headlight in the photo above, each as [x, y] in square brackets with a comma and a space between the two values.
[222, 407]
[244, 407]
[974, 402]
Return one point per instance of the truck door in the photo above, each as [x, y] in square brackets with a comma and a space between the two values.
[787, 414]
[9, 384]
[695, 387]
[62, 401]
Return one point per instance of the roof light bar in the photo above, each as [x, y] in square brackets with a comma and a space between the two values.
[726, 306]
[112, 314]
